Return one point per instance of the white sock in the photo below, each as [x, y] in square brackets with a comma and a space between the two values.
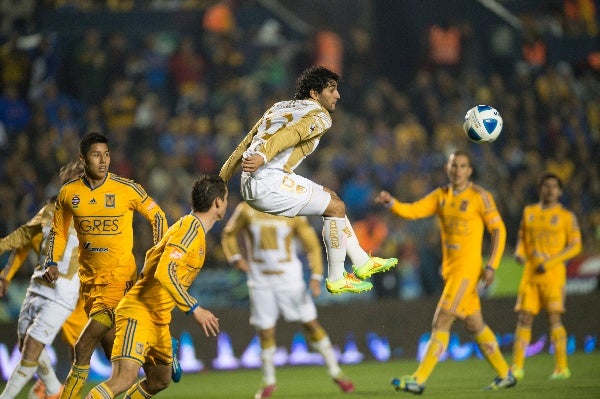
[47, 374]
[17, 380]
[326, 350]
[335, 245]
[357, 255]
[268, 366]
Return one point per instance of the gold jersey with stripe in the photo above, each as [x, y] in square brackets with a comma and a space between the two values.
[462, 217]
[103, 218]
[169, 269]
[287, 133]
[550, 235]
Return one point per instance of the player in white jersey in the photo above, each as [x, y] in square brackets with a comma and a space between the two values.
[287, 133]
[46, 306]
[276, 283]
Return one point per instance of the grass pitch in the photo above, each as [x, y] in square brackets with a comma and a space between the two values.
[450, 379]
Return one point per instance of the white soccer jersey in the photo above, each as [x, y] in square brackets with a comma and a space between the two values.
[271, 246]
[65, 291]
[286, 134]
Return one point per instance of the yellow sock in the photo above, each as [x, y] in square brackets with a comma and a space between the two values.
[101, 391]
[137, 392]
[522, 340]
[558, 336]
[435, 348]
[486, 340]
[75, 381]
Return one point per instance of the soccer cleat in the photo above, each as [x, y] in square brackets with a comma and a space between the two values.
[348, 283]
[265, 391]
[37, 391]
[499, 382]
[344, 383]
[408, 383]
[561, 374]
[175, 366]
[374, 265]
[56, 395]
[517, 372]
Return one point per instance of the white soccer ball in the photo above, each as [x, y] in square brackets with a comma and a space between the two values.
[483, 124]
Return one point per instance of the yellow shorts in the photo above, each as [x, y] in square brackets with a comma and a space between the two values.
[100, 298]
[460, 297]
[74, 324]
[536, 296]
[142, 341]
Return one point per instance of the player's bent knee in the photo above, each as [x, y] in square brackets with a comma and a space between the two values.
[158, 384]
[336, 208]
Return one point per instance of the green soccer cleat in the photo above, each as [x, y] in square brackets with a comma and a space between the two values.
[374, 265]
[348, 283]
[408, 383]
[561, 374]
[499, 383]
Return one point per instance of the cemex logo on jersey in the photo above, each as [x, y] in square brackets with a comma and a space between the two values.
[88, 247]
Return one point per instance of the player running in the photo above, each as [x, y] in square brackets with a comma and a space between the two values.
[101, 206]
[143, 338]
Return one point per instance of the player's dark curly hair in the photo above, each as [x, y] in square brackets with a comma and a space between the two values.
[549, 176]
[314, 78]
[205, 190]
[90, 139]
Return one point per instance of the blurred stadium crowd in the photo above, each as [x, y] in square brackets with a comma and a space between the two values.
[175, 105]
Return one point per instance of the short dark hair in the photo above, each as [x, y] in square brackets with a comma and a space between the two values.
[205, 190]
[549, 176]
[90, 139]
[314, 78]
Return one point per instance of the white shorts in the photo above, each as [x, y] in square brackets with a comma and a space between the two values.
[279, 193]
[294, 304]
[41, 318]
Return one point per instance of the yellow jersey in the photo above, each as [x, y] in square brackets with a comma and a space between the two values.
[169, 269]
[462, 219]
[551, 234]
[103, 218]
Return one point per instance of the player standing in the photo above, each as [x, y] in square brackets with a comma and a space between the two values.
[287, 133]
[463, 209]
[276, 283]
[549, 236]
[143, 338]
[101, 206]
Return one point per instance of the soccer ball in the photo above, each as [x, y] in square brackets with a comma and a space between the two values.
[483, 124]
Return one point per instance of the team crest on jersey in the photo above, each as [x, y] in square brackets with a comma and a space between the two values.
[109, 200]
[463, 205]
[75, 201]
[139, 348]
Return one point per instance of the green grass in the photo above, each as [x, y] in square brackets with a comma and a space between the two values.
[450, 379]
